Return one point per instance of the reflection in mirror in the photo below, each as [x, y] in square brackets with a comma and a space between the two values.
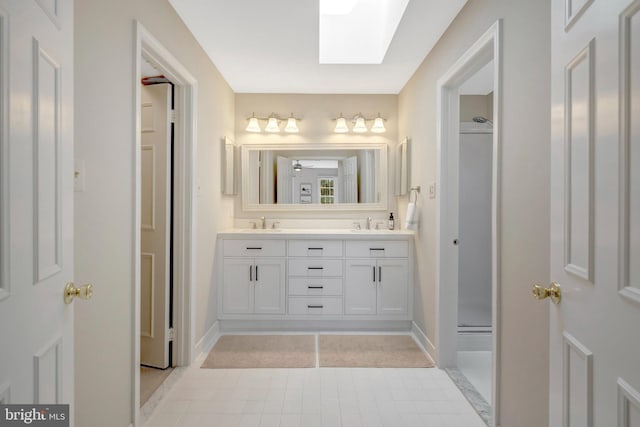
[402, 167]
[320, 177]
[228, 166]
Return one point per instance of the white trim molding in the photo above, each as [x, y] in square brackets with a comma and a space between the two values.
[186, 101]
[208, 340]
[627, 397]
[487, 48]
[5, 283]
[424, 340]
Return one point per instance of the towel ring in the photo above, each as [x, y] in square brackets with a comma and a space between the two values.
[412, 191]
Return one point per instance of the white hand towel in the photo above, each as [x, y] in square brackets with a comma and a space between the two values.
[411, 220]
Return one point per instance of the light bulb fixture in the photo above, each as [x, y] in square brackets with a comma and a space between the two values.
[253, 125]
[341, 125]
[273, 123]
[378, 125]
[292, 125]
[360, 124]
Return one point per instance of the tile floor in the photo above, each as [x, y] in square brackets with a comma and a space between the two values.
[328, 397]
[476, 366]
[150, 380]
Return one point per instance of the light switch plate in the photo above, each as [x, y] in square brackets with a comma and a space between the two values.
[432, 190]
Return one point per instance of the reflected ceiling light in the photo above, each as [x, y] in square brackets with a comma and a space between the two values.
[360, 124]
[378, 125]
[292, 125]
[341, 125]
[297, 166]
[253, 125]
[273, 123]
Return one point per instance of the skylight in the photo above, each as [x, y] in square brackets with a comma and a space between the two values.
[358, 31]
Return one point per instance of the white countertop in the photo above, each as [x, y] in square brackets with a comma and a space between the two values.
[315, 233]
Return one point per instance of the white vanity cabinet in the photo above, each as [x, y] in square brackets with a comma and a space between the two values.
[254, 280]
[377, 278]
[315, 277]
[291, 276]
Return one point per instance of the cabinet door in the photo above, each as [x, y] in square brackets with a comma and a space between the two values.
[360, 287]
[269, 286]
[237, 286]
[393, 286]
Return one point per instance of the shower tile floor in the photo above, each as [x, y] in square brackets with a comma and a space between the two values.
[328, 397]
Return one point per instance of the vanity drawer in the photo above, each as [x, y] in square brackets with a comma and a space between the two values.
[377, 249]
[315, 305]
[315, 267]
[315, 286]
[315, 248]
[254, 248]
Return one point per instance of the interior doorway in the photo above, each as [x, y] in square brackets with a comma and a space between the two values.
[156, 248]
[468, 331]
[183, 88]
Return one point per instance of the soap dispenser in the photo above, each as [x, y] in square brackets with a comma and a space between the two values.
[391, 222]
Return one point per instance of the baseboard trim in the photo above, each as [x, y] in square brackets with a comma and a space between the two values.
[426, 343]
[206, 343]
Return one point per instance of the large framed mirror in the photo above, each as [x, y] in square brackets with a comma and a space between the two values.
[314, 176]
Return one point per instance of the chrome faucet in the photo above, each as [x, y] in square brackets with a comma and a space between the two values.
[263, 222]
[369, 223]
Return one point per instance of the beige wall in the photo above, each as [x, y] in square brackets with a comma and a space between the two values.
[476, 105]
[316, 112]
[524, 208]
[104, 135]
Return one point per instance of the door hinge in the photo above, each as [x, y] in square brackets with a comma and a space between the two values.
[173, 116]
[171, 334]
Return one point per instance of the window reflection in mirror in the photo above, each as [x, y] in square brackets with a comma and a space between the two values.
[303, 176]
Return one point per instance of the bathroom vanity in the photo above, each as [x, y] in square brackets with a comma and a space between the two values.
[337, 275]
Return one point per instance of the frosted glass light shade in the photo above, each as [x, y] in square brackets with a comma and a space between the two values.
[360, 126]
[341, 125]
[292, 125]
[378, 125]
[272, 125]
[253, 125]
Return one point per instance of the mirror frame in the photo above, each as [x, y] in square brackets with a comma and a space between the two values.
[228, 167]
[294, 207]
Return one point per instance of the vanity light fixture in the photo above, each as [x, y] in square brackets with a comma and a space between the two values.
[360, 125]
[273, 124]
[297, 166]
[292, 125]
[378, 125]
[341, 125]
[253, 125]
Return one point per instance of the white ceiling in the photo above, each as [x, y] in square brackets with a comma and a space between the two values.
[272, 46]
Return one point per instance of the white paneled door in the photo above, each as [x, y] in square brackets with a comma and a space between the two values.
[595, 213]
[36, 136]
[155, 190]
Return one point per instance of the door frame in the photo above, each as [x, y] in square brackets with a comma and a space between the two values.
[186, 89]
[488, 47]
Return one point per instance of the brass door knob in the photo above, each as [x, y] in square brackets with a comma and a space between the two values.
[553, 292]
[82, 292]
